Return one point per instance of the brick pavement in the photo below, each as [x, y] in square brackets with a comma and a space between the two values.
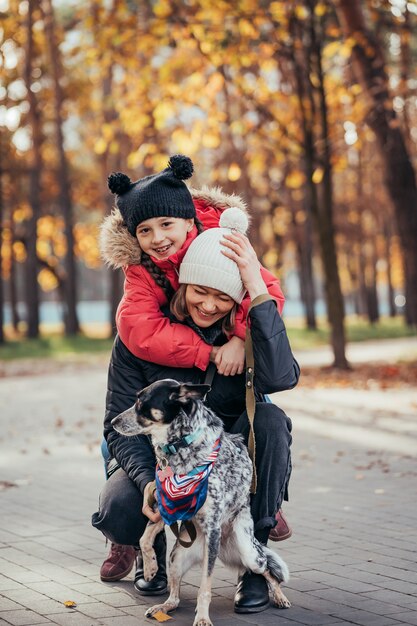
[352, 556]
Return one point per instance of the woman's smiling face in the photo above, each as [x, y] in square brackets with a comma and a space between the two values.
[206, 305]
[162, 236]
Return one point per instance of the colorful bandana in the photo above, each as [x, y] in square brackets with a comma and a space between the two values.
[180, 496]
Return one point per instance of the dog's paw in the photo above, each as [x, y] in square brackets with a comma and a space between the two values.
[202, 621]
[150, 567]
[280, 600]
[164, 608]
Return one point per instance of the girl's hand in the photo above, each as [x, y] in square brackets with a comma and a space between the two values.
[213, 354]
[230, 358]
[240, 250]
[148, 496]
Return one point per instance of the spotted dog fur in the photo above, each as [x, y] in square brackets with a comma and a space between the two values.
[168, 410]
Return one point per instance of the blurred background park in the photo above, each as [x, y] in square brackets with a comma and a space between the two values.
[307, 109]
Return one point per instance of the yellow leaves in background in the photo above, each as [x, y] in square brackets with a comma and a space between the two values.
[210, 140]
[163, 112]
[86, 244]
[162, 9]
[137, 158]
[234, 172]
[19, 251]
[320, 9]
[22, 212]
[295, 179]
[100, 146]
[47, 280]
[278, 11]
[301, 12]
[317, 176]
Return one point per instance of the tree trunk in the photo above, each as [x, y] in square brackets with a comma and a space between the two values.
[391, 297]
[31, 268]
[368, 64]
[305, 272]
[2, 337]
[323, 214]
[70, 318]
[371, 287]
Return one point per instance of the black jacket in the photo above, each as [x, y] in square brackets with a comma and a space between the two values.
[275, 370]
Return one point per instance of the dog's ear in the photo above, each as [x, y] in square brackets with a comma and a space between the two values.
[186, 392]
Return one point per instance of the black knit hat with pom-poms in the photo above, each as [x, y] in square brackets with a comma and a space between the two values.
[159, 195]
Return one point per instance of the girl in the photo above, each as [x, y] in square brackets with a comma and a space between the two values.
[214, 278]
[155, 221]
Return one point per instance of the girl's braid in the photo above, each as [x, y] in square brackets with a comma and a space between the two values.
[158, 275]
[200, 227]
[156, 272]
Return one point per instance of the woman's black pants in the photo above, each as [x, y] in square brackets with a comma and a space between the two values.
[120, 515]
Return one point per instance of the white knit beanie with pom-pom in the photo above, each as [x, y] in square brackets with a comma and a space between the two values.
[205, 265]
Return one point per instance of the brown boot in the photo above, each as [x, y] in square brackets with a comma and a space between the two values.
[282, 530]
[118, 564]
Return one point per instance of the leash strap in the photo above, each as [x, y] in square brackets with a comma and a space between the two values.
[188, 524]
[250, 392]
[210, 372]
[189, 527]
[151, 496]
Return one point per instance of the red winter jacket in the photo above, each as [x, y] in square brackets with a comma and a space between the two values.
[141, 325]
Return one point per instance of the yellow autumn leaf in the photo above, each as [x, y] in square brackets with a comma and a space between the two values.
[162, 112]
[317, 176]
[339, 163]
[301, 12]
[278, 11]
[215, 82]
[234, 172]
[22, 213]
[162, 9]
[210, 140]
[161, 617]
[69, 603]
[48, 282]
[331, 49]
[320, 9]
[100, 146]
[19, 251]
[295, 179]
[107, 131]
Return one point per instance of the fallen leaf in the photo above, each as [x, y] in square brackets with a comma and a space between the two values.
[70, 603]
[161, 617]
[6, 484]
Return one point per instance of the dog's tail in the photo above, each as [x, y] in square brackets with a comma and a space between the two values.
[277, 567]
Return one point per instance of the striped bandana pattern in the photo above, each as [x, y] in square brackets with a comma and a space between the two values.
[180, 496]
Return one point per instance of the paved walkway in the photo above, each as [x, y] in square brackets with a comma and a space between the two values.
[353, 510]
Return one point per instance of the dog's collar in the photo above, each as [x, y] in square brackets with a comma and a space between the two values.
[184, 442]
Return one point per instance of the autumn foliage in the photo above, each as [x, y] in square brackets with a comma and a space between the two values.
[263, 97]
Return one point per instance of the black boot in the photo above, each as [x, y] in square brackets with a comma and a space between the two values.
[252, 594]
[158, 585]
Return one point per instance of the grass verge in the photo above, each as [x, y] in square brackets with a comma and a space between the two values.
[95, 338]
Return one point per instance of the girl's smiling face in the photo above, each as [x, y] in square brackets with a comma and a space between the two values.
[206, 305]
[162, 236]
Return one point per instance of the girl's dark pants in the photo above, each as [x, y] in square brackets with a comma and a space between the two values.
[120, 515]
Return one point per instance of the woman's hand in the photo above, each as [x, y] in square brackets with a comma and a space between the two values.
[240, 250]
[148, 496]
[230, 358]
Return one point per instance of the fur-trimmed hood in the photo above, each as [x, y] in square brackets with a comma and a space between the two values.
[119, 248]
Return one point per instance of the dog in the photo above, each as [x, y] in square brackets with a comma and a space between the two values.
[175, 415]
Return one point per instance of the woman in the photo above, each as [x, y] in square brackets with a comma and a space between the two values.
[218, 268]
